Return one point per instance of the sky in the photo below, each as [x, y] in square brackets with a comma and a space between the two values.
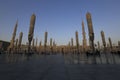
[60, 18]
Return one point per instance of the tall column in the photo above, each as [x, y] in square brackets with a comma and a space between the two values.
[45, 41]
[110, 42]
[98, 45]
[119, 44]
[72, 42]
[36, 44]
[84, 37]
[36, 41]
[68, 47]
[31, 31]
[77, 41]
[51, 48]
[40, 46]
[91, 31]
[53, 43]
[50, 42]
[20, 40]
[11, 47]
[16, 44]
[33, 42]
[72, 45]
[103, 40]
[54, 46]
[104, 44]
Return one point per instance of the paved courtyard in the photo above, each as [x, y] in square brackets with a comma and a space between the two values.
[53, 67]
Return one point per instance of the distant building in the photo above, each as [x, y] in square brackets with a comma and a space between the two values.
[4, 45]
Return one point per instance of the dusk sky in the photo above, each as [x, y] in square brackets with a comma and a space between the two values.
[60, 18]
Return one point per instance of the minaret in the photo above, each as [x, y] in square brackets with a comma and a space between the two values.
[84, 37]
[103, 40]
[13, 37]
[110, 42]
[77, 41]
[91, 32]
[31, 30]
[20, 40]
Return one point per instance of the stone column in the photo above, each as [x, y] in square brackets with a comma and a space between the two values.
[31, 31]
[91, 31]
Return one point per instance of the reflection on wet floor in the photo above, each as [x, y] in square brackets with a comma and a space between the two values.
[83, 59]
[57, 67]
[16, 58]
[68, 58]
